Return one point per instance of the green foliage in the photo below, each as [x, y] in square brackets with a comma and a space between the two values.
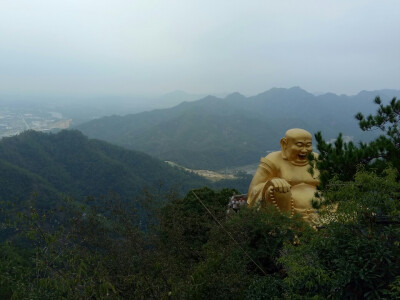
[13, 269]
[87, 253]
[101, 250]
[185, 224]
[368, 196]
[387, 119]
[265, 288]
[239, 269]
[343, 159]
[356, 254]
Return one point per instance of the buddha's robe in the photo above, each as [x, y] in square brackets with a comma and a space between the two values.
[303, 184]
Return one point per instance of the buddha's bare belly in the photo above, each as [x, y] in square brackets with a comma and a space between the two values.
[302, 194]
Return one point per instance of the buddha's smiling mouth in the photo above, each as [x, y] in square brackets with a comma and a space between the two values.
[302, 156]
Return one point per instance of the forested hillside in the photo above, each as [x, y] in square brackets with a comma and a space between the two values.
[214, 133]
[68, 163]
[191, 248]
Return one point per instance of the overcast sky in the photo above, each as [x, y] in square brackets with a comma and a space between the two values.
[123, 47]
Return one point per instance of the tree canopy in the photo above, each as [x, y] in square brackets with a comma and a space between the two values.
[344, 159]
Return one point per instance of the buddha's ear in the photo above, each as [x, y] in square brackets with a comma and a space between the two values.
[283, 147]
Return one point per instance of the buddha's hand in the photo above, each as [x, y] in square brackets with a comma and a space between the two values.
[277, 192]
[280, 185]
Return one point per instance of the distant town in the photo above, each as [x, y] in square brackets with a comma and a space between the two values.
[16, 120]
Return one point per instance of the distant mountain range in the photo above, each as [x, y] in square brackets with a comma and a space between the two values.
[214, 133]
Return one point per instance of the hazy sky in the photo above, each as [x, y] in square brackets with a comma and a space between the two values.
[93, 47]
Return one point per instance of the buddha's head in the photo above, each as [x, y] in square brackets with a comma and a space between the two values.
[296, 145]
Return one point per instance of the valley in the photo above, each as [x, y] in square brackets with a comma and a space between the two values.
[16, 120]
[210, 175]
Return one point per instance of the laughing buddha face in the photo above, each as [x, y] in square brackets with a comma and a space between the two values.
[296, 145]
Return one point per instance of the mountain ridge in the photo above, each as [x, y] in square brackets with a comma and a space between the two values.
[196, 134]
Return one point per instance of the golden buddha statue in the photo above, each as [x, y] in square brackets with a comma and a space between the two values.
[283, 178]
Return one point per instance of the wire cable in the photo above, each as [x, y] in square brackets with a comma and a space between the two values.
[229, 234]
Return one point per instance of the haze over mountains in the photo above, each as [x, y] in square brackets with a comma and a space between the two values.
[85, 108]
[214, 133]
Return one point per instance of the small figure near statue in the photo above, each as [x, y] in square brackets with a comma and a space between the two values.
[236, 202]
[283, 178]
